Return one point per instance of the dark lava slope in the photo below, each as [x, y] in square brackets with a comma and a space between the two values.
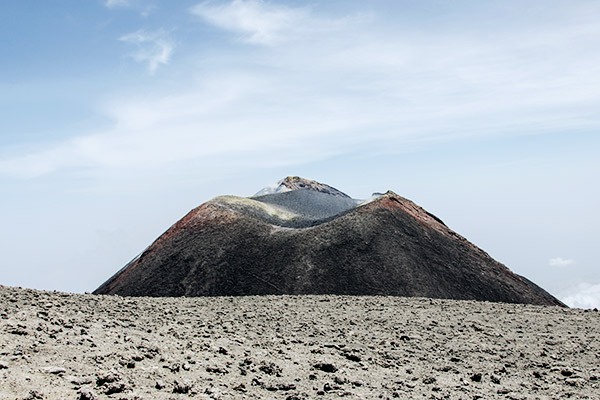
[303, 237]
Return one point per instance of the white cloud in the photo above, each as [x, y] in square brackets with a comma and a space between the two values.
[259, 22]
[584, 295]
[152, 48]
[141, 6]
[152, 133]
[266, 23]
[560, 262]
[340, 86]
[116, 3]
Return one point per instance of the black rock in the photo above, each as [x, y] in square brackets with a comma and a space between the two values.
[182, 386]
[281, 386]
[325, 367]
[270, 368]
[217, 370]
[33, 394]
[115, 387]
[352, 357]
[476, 377]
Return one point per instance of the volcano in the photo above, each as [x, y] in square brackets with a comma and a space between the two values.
[300, 236]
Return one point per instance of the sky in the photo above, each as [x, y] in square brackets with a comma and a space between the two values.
[117, 117]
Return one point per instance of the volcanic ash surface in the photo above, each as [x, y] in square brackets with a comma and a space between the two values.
[70, 346]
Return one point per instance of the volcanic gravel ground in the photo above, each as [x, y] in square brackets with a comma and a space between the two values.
[72, 346]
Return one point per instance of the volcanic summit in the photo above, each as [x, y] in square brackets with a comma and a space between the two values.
[304, 237]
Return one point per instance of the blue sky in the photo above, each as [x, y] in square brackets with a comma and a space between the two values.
[119, 116]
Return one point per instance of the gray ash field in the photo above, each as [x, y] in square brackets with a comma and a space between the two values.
[308, 207]
[73, 346]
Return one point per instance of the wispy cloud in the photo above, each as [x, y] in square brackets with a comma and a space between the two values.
[560, 262]
[266, 23]
[153, 48]
[584, 295]
[257, 21]
[198, 125]
[319, 86]
[144, 7]
[116, 3]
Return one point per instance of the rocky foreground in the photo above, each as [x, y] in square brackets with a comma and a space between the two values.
[72, 346]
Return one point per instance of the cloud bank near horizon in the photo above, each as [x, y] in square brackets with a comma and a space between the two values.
[584, 295]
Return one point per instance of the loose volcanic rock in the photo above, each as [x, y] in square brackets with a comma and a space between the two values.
[295, 347]
[325, 367]
[54, 370]
[33, 394]
[106, 377]
[270, 368]
[115, 387]
[87, 394]
[304, 237]
[476, 377]
[182, 386]
[79, 381]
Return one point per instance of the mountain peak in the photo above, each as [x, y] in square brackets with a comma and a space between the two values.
[300, 236]
[291, 183]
